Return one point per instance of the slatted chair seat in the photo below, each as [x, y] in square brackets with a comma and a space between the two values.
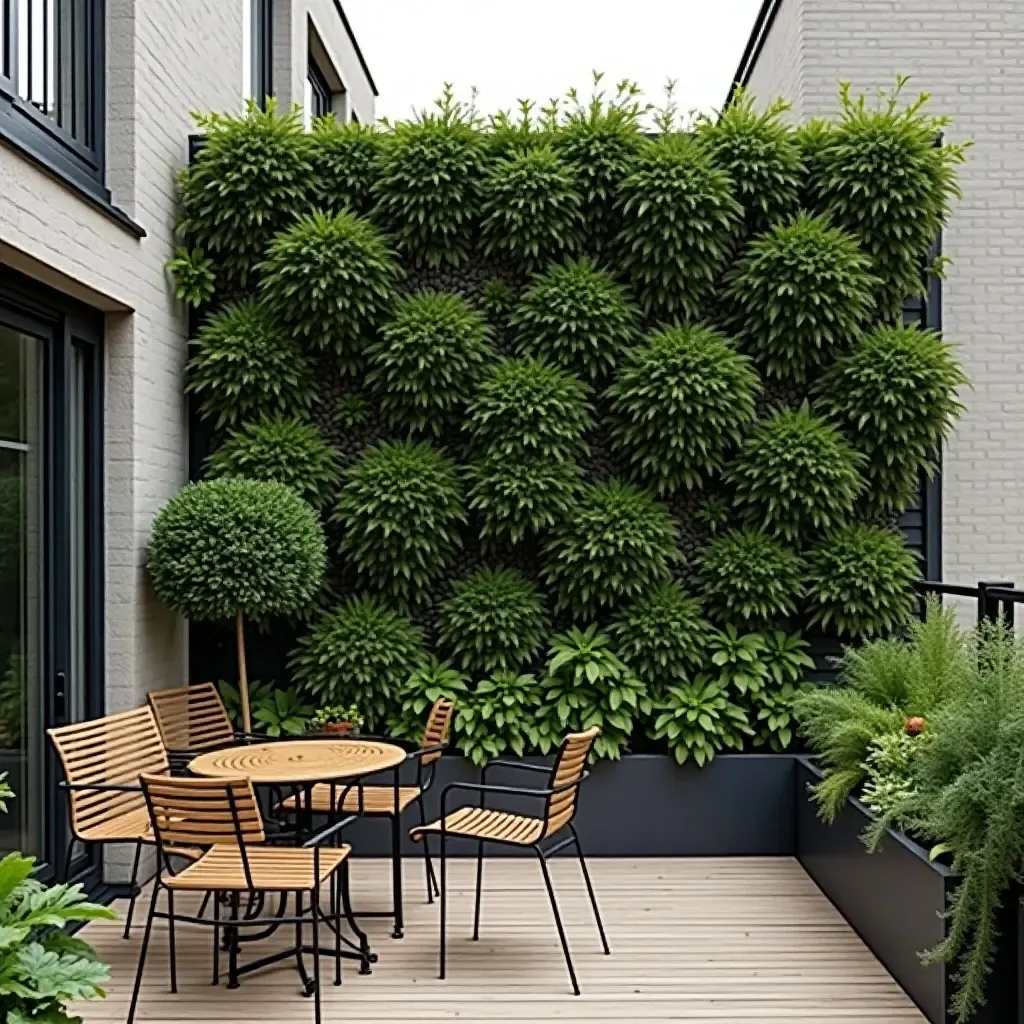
[376, 799]
[483, 823]
[192, 719]
[132, 826]
[272, 869]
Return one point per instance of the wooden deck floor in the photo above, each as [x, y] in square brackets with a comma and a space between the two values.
[729, 941]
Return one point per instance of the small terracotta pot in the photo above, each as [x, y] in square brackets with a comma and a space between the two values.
[340, 729]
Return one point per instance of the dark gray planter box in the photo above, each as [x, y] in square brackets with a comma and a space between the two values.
[894, 900]
[741, 805]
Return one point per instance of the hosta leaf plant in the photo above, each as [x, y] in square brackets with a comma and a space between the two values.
[738, 660]
[499, 715]
[431, 680]
[697, 720]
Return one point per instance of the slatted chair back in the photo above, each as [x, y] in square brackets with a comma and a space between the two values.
[566, 775]
[192, 719]
[114, 750]
[202, 812]
[435, 733]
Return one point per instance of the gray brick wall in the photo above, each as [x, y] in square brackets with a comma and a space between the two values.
[779, 69]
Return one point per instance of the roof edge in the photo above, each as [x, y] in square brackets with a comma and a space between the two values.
[355, 46]
[755, 44]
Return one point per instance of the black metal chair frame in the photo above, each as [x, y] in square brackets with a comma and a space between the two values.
[483, 788]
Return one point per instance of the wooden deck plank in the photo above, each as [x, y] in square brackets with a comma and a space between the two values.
[723, 941]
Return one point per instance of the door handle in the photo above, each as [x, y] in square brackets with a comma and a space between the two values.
[60, 697]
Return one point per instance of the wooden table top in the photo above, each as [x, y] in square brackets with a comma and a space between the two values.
[299, 761]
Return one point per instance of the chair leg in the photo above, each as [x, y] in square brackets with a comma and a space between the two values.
[172, 948]
[346, 902]
[432, 889]
[314, 902]
[135, 890]
[336, 912]
[479, 887]
[233, 944]
[443, 897]
[590, 891]
[396, 874]
[216, 938]
[142, 956]
[558, 921]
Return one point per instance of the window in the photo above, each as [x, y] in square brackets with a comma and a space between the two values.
[319, 99]
[257, 51]
[51, 84]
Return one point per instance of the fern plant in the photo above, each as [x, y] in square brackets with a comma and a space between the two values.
[498, 715]
[697, 720]
[430, 681]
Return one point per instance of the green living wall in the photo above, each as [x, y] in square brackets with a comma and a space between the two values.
[599, 420]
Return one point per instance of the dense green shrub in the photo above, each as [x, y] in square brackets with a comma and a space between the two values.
[195, 278]
[427, 360]
[799, 296]
[759, 153]
[750, 579]
[577, 316]
[883, 175]
[679, 222]
[528, 408]
[497, 301]
[679, 402]
[429, 185]
[860, 581]
[400, 505]
[662, 635]
[362, 654]
[531, 209]
[432, 680]
[500, 714]
[697, 720]
[614, 544]
[330, 279]
[796, 477]
[493, 620]
[894, 396]
[244, 365]
[285, 450]
[248, 182]
[344, 158]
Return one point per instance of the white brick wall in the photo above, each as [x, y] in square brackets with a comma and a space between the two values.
[967, 53]
[779, 69]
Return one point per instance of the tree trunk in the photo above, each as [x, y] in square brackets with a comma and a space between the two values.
[243, 678]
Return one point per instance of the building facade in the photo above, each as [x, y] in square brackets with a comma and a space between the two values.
[967, 55]
[95, 104]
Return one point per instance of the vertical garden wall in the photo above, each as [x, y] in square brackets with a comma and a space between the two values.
[600, 422]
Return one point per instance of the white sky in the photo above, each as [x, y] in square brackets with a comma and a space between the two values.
[509, 49]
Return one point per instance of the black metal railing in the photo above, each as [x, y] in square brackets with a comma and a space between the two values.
[996, 599]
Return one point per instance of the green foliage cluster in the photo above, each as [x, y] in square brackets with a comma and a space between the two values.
[344, 159]
[430, 681]
[697, 719]
[497, 716]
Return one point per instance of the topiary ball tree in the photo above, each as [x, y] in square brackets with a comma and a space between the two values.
[400, 508]
[750, 580]
[344, 158]
[237, 549]
[679, 403]
[427, 360]
[284, 450]
[493, 620]
[895, 397]
[361, 654]
[527, 408]
[860, 581]
[330, 280]
[795, 476]
[615, 544]
[799, 296]
[248, 182]
[679, 222]
[758, 151]
[244, 365]
[577, 316]
[531, 209]
[662, 635]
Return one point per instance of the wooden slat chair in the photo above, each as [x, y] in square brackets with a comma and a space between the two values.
[487, 825]
[223, 816]
[193, 720]
[380, 802]
[102, 762]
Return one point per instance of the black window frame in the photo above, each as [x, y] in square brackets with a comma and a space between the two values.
[261, 79]
[323, 95]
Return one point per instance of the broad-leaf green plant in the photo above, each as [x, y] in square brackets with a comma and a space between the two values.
[697, 720]
[739, 661]
[498, 715]
[431, 680]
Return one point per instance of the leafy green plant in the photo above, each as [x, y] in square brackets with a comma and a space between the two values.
[697, 720]
[429, 186]
[344, 158]
[248, 182]
[758, 152]
[493, 620]
[283, 450]
[12, 702]
[578, 316]
[6, 793]
[662, 635]
[799, 296]
[773, 717]
[531, 209]
[427, 360]
[588, 684]
[894, 396]
[795, 476]
[337, 714]
[430, 681]
[330, 280]
[360, 654]
[786, 658]
[282, 713]
[400, 505]
[260, 694]
[884, 175]
[860, 581]
[237, 549]
[244, 365]
[498, 715]
[497, 300]
[739, 660]
[679, 221]
[679, 402]
[750, 579]
[888, 769]
[349, 412]
[195, 279]
[527, 407]
[714, 514]
[615, 544]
